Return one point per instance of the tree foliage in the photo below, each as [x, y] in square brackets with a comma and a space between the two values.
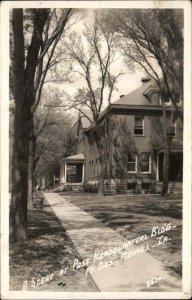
[152, 39]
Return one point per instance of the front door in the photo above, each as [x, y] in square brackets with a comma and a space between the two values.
[79, 172]
[175, 166]
[161, 159]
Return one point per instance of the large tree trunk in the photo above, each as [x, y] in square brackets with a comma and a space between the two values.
[167, 134]
[166, 156]
[23, 79]
[18, 209]
[101, 185]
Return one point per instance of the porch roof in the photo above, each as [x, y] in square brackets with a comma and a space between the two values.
[174, 148]
[75, 158]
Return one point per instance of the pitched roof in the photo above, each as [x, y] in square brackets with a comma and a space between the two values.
[77, 157]
[137, 97]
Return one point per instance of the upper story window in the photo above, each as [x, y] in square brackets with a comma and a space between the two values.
[91, 168]
[145, 162]
[132, 163]
[96, 167]
[139, 125]
[172, 129]
[167, 101]
[99, 166]
[91, 139]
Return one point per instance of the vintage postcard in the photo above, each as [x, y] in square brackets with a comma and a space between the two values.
[96, 149]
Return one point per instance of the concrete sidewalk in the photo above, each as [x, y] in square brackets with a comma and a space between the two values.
[120, 272]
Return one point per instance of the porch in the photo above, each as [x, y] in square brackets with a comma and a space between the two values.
[175, 165]
[175, 170]
[72, 172]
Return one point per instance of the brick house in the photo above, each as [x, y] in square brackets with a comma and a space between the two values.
[132, 145]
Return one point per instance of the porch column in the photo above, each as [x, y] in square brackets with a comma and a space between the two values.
[83, 173]
[62, 179]
[65, 177]
[157, 166]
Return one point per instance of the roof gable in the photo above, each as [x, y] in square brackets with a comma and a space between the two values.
[83, 122]
[140, 97]
[86, 121]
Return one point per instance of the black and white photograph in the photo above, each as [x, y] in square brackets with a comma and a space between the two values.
[96, 149]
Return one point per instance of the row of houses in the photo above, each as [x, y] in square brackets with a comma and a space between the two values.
[132, 145]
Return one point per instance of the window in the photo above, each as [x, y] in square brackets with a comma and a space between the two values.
[91, 139]
[91, 168]
[108, 162]
[145, 163]
[171, 130]
[139, 126]
[132, 163]
[174, 129]
[96, 168]
[92, 173]
[99, 166]
[167, 101]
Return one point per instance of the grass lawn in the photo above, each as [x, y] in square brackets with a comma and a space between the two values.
[133, 216]
[47, 251]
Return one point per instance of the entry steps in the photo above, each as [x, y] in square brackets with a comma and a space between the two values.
[67, 187]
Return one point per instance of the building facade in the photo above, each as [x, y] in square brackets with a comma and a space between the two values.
[130, 150]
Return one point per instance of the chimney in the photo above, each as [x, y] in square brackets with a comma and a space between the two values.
[122, 96]
[145, 79]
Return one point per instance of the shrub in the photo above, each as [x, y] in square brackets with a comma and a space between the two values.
[90, 187]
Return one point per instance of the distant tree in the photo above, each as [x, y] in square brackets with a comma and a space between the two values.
[54, 142]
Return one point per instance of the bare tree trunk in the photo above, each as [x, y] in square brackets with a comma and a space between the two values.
[31, 166]
[101, 184]
[166, 171]
[102, 164]
[30, 178]
[167, 140]
[166, 154]
[18, 209]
